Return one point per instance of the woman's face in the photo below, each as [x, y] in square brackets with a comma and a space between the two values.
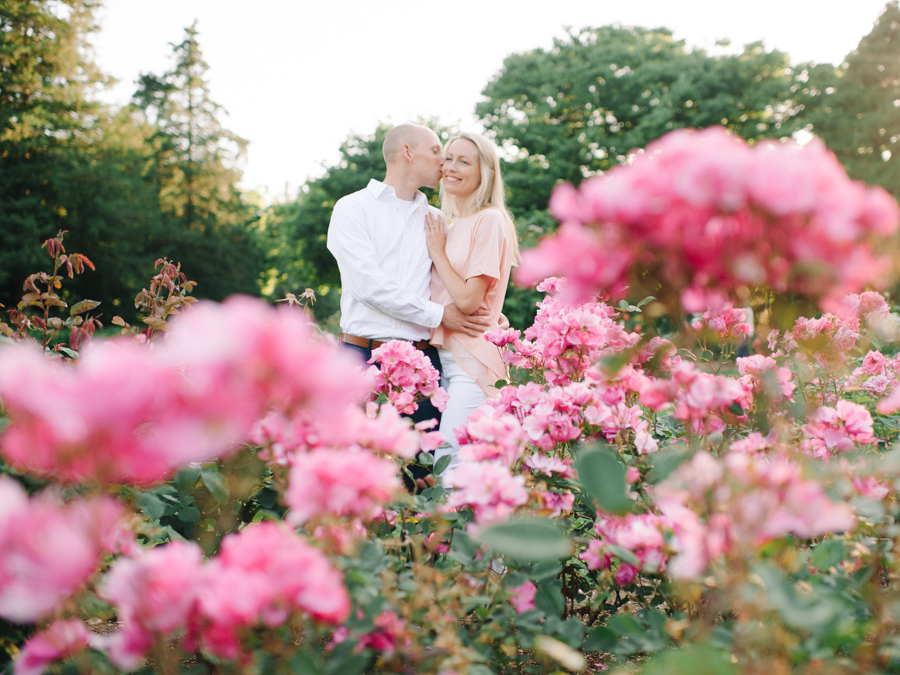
[462, 170]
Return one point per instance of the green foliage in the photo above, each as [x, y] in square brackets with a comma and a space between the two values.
[580, 107]
[854, 108]
[528, 540]
[602, 476]
[191, 167]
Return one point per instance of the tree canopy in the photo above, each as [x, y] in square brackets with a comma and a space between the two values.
[855, 108]
[580, 107]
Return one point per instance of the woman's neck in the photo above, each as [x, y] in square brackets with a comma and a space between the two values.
[465, 209]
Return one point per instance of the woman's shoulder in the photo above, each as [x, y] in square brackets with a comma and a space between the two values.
[491, 217]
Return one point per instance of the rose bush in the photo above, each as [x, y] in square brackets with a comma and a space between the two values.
[649, 491]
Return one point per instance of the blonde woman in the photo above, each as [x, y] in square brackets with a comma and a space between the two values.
[472, 259]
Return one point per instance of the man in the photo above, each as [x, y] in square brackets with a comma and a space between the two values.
[377, 236]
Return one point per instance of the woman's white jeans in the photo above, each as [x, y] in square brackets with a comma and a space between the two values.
[465, 396]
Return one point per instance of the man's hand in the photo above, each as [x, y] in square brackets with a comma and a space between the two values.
[473, 324]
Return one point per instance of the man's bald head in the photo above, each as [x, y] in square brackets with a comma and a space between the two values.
[403, 134]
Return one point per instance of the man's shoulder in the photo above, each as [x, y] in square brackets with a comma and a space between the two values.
[360, 196]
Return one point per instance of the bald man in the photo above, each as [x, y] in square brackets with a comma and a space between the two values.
[377, 236]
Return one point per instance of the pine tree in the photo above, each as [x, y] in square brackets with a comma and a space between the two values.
[193, 167]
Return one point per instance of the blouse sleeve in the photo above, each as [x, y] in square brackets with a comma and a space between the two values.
[489, 241]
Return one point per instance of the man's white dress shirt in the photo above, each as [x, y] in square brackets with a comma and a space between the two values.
[378, 241]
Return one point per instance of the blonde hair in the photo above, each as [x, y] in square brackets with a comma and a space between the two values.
[490, 192]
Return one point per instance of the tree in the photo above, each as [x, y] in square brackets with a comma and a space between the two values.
[854, 108]
[579, 108]
[192, 166]
[46, 119]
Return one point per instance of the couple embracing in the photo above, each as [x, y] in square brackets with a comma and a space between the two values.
[435, 278]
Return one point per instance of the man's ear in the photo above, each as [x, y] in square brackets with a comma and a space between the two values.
[406, 152]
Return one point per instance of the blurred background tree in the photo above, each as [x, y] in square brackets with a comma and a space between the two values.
[130, 185]
[191, 166]
[855, 107]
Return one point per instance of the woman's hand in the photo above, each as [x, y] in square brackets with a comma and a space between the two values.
[435, 235]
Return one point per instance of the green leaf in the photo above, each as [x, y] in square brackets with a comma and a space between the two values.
[527, 539]
[546, 569]
[623, 554]
[601, 639]
[626, 625]
[267, 498]
[828, 554]
[665, 462]
[643, 302]
[83, 306]
[425, 458]
[71, 353]
[215, 483]
[549, 598]
[152, 505]
[189, 514]
[692, 660]
[602, 475]
[441, 465]
[572, 632]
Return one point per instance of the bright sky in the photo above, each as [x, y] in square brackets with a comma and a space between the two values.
[297, 76]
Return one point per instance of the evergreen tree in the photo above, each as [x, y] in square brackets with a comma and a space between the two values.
[855, 109]
[193, 168]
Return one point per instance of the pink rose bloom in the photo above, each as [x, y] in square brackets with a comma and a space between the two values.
[340, 483]
[389, 633]
[125, 413]
[158, 589]
[626, 574]
[155, 592]
[557, 504]
[59, 640]
[48, 550]
[550, 465]
[405, 375]
[522, 596]
[489, 489]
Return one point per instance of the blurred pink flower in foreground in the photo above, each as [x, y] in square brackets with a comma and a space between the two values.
[522, 596]
[742, 500]
[262, 575]
[707, 214]
[58, 641]
[340, 482]
[48, 550]
[127, 413]
[489, 489]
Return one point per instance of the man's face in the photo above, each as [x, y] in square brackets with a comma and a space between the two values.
[427, 159]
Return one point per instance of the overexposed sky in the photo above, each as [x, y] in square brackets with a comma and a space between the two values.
[297, 76]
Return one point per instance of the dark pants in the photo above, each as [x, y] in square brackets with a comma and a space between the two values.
[425, 411]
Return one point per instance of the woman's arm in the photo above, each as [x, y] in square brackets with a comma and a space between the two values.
[468, 293]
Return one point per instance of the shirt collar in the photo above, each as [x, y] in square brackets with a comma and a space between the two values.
[377, 189]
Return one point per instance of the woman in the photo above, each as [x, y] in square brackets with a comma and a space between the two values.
[472, 260]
